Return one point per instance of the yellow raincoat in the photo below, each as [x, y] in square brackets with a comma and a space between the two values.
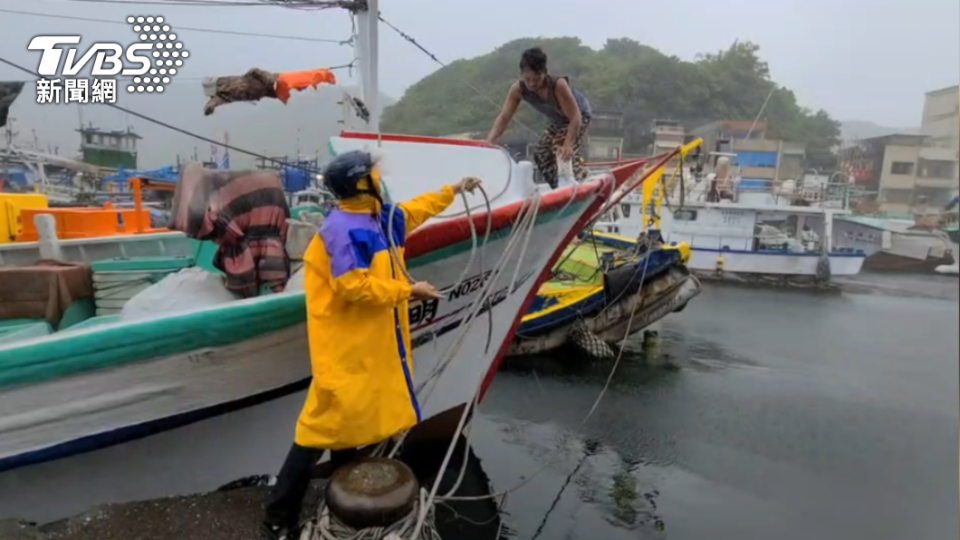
[357, 321]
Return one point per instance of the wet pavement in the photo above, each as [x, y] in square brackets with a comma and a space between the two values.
[762, 414]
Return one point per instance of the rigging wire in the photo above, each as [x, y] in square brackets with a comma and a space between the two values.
[189, 28]
[433, 57]
[190, 133]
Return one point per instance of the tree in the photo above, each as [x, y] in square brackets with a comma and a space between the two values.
[625, 76]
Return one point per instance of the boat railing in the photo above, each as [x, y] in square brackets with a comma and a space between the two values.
[757, 243]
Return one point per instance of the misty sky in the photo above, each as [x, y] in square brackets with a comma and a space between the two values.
[858, 59]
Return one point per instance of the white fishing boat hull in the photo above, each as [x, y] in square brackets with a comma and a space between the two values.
[776, 264]
[891, 244]
[48, 418]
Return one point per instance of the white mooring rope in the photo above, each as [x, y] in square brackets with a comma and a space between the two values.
[328, 527]
[419, 524]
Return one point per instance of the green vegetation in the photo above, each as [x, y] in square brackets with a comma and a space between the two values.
[625, 76]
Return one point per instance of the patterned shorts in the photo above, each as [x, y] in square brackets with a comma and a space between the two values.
[552, 139]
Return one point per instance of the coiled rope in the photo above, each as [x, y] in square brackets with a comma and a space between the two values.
[328, 527]
[395, 253]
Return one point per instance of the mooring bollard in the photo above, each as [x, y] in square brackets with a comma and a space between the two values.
[372, 493]
[651, 347]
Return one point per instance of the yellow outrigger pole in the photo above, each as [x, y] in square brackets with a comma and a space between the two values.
[655, 185]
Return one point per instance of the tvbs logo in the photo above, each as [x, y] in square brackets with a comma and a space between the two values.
[151, 61]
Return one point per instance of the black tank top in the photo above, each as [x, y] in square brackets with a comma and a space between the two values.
[550, 107]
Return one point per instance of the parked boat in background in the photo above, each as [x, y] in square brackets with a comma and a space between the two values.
[896, 245]
[916, 242]
[748, 236]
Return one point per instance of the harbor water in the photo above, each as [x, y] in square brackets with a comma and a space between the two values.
[771, 415]
[760, 414]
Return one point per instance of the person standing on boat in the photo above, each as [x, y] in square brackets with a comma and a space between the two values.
[567, 109]
[357, 323]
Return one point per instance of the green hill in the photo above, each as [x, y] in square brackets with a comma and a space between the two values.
[624, 75]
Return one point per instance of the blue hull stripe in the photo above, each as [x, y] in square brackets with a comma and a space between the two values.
[138, 431]
[849, 254]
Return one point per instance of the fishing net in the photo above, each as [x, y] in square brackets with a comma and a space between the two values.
[582, 338]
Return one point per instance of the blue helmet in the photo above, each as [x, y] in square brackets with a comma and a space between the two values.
[343, 175]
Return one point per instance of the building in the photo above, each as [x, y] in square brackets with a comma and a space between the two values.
[901, 168]
[761, 161]
[718, 136]
[109, 149]
[941, 118]
[605, 136]
[668, 135]
[941, 123]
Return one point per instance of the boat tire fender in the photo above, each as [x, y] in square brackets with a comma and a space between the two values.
[621, 282]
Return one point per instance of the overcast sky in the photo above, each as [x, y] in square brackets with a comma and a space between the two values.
[858, 59]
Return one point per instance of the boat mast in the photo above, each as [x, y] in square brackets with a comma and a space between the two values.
[368, 46]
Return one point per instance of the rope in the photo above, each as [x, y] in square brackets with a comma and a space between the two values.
[189, 133]
[528, 221]
[328, 527]
[470, 85]
[395, 253]
[421, 519]
[423, 527]
[502, 495]
[180, 28]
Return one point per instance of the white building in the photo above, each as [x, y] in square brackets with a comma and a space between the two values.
[941, 123]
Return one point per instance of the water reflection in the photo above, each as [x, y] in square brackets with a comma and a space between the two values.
[602, 473]
[760, 415]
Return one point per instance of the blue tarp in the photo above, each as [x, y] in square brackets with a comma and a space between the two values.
[754, 183]
[751, 158]
[17, 175]
[297, 176]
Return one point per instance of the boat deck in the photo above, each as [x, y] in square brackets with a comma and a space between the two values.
[579, 268]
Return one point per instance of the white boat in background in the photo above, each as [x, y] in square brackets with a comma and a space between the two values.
[896, 245]
[758, 237]
[98, 381]
[916, 242]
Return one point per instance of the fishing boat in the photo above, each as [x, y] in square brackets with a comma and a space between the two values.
[919, 241]
[88, 381]
[748, 237]
[606, 288]
[80, 386]
[895, 245]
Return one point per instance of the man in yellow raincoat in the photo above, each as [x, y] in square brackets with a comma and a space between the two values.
[357, 322]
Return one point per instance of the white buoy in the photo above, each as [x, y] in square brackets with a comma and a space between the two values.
[47, 231]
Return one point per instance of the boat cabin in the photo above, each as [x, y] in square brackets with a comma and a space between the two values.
[749, 229]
